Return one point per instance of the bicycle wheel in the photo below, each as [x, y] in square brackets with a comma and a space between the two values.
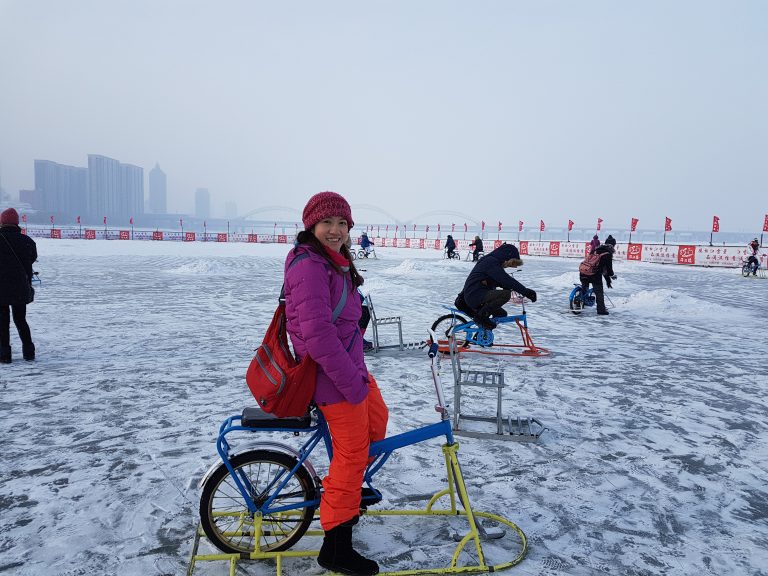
[362, 254]
[746, 270]
[575, 301]
[456, 256]
[443, 325]
[225, 517]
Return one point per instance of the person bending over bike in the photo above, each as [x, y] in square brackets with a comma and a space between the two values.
[345, 392]
[754, 256]
[478, 248]
[365, 243]
[450, 246]
[480, 298]
[594, 267]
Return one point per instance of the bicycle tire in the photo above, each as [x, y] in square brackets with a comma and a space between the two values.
[362, 254]
[746, 270]
[225, 517]
[442, 326]
[575, 300]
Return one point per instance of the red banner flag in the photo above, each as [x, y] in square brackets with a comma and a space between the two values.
[570, 225]
[387, 228]
[541, 225]
[78, 219]
[131, 221]
[520, 226]
[397, 228]
[465, 226]
[715, 224]
[105, 220]
[633, 226]
[427, 229]
[765, 223]
[599, 221]
[51, 219]
[414, 227]
[438, 227]
[181, 222]
[24, 218]
[667, 224]
[499, 225]
[453, 226]
[482, 225]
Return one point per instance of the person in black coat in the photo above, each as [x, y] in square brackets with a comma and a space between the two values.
[17, 253]
[478, 248]
[480, 298]
[450, 246]
[605, 270]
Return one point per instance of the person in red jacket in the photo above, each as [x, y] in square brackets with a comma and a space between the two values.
[323, 310]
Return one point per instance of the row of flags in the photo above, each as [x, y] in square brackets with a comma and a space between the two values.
[632, 226]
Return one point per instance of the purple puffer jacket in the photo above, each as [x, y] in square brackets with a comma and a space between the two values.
[312, 290]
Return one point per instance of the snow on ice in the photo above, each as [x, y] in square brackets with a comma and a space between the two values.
[655, 461]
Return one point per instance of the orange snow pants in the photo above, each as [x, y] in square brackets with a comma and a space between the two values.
[353, 427]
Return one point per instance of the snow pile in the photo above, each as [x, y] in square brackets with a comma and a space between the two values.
[203, 267]
[672, 303]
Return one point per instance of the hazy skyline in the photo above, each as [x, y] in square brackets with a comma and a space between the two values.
[501, 110]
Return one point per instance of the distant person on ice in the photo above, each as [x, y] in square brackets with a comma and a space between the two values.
[365, 243]
[594, 267]
[594, 243]
[754, 256]
[450, 246]
[17, 253]
[478, 247]
[325, 279]
[480, 297]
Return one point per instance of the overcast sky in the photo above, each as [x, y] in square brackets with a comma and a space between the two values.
[500, 110]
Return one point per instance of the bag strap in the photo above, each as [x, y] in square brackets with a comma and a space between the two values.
[17, 256]
[342, 301]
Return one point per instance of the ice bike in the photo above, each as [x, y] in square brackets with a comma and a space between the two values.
[456, 255]
[578, 299]
[370, 254]
[747, 270]
[468, 332]
[258, 503]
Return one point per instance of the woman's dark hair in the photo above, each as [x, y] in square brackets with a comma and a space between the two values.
[308, 238]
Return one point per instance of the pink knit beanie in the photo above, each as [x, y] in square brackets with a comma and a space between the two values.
[9, 216]
[325, 205]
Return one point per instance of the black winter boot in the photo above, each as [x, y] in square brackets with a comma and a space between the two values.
[337, 554]
[28, 350]
[5, 355]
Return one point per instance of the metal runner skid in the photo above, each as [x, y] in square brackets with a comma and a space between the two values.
[519, 428]
[389, 320]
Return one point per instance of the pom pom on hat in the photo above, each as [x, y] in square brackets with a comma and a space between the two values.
[325, 205]
[9, 216]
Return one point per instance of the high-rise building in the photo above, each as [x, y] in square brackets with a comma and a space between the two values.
[61, 189]
[202, 203]
[158, 194]
[115, 190]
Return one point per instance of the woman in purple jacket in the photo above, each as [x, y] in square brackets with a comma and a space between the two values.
[323, 310]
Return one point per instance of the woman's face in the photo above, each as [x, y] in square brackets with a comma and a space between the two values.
[332, 232]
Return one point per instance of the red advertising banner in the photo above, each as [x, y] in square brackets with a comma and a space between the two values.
[281, 238]
[524, 247]
[56, 234]
[765, 224]
[686, 255]
[253, 238]
[421, 243]
[570, 225]
[125, 234]
[599, 222]
[437, 245]
[157, 235]
[189, 236]
[633, 226]
[667, 224]
[635, 252]
[554, 248]
[520, 226]
[407, 242]
[715, 224]
[90, 234]
[394, 242]
[541, 225]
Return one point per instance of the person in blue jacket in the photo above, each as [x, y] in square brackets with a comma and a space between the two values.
[365, 243]
[480, 297]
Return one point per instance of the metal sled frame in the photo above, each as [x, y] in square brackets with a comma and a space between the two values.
[480, 340]
[455, 494]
